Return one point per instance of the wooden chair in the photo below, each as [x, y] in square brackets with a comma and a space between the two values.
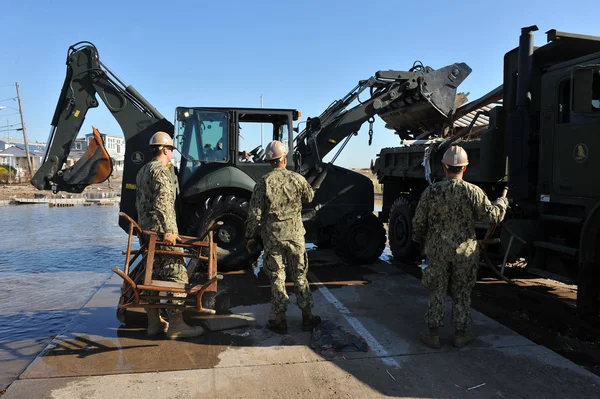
[138, 276]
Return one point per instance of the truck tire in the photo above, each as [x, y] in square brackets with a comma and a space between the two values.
[403, 248]
[359, 238]
[231, 244]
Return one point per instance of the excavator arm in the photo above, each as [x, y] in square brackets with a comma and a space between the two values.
[417, 100]
[88, 78]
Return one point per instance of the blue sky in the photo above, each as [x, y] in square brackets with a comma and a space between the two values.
[300, 55]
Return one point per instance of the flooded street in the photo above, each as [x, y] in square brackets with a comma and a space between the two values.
[52, 260]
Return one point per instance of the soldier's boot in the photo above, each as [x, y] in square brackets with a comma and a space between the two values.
[279, 324]
[431, 338]
[309, 321]
[462, 338]
[156, 324]
[180, 329]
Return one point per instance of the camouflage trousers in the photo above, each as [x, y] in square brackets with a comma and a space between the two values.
[169, 268]
[297, 261]
[460, 277]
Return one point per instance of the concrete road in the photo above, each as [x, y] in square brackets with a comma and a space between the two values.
[97, 358]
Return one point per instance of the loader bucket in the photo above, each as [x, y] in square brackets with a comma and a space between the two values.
[430, 104]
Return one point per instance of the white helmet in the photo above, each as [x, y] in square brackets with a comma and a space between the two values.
[161, 139]
[275, 150]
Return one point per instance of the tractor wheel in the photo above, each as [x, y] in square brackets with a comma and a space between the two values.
[400, 231]
[324, 238]
[359, 239]
[231, 244]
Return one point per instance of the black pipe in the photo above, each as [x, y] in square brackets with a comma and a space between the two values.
[525, 66]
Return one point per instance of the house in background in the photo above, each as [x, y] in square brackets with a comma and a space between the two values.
[16, 157]
[8, 142]
[115, 146]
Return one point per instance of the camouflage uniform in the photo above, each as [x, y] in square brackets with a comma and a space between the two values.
[444, 221]
[275, 214]
[155, 205]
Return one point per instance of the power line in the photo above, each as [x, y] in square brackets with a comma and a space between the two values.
[8, 99]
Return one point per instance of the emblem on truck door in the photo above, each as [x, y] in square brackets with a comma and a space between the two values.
[137, 157]
[580, 153]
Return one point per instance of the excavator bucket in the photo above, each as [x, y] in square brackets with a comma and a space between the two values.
[95, 166]
[428, 102]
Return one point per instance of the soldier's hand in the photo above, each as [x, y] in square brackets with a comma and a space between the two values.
[170, 238]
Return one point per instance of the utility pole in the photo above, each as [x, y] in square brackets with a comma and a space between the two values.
[262, 136]
[9, 159]
[24, 132]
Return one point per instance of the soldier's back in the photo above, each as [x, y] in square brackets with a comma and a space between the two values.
[284, 192]
[451, 214]
[148, 178]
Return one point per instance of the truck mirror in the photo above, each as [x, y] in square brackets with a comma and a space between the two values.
[583, 79]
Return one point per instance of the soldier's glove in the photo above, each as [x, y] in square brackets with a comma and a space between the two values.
[170, 238]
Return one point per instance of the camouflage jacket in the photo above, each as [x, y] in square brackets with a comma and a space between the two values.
[445, 218]
[276, 206]
[155, 198]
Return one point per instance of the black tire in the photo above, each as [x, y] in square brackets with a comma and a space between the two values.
[400, 231]
[324, 238]
[231, 244]
[359, 239]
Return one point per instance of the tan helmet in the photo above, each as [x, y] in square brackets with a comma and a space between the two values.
[275, 150]
[455, 156]
[161, 139]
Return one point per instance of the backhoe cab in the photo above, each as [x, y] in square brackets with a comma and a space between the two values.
[222, 157]
[216, 181]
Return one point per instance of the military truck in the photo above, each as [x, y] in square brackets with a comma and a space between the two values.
[535, 134]
[214, 182]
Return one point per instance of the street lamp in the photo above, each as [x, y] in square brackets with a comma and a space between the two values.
[20, 110]
[8, 106]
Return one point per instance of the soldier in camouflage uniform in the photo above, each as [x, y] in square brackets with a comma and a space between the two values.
[444, 225]
[155, 205]
[275, 217]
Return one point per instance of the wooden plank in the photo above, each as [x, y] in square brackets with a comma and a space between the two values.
[168, 306]
[150, 260]
[169, 284]
[165, 298]
[175, 254]
[184, 289]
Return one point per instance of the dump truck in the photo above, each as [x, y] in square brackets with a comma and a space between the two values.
[215, 178]
[535, 134]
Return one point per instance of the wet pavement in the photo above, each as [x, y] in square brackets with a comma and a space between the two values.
[97, 357]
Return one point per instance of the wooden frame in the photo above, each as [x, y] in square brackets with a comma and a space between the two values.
[138, 276]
